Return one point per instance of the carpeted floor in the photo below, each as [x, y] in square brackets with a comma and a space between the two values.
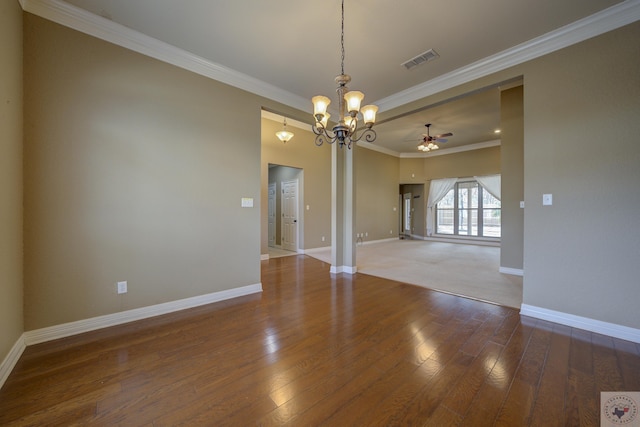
[460, 269]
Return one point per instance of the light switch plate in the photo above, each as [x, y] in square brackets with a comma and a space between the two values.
[122, 287]
[247, 202]
[522, 204]
[547, 199]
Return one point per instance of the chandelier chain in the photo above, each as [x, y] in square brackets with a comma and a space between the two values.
[346, 131]
[342, 40]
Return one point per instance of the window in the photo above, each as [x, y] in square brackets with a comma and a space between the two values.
[468, 210]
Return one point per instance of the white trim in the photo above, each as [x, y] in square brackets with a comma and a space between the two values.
[371, 242]
[11, 359]
[264, 257]
[378, 148]
[592, 325]
[452, 150]
[67, 329]
[512, 271]
[105, 29]
[609, 19]
[290, 122]
[480, 241]
[440, 152]
[79, 19]
[316, 250]
[343, 269]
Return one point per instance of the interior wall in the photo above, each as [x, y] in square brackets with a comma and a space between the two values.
[580, 133]
[377, 183]
[485, 161]
[302, 153]
[134, 170]
[11, 182]
[581, 145]
[512, 165]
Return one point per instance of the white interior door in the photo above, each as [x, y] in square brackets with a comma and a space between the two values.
[407, 213]
[272, 215]
[290, 215]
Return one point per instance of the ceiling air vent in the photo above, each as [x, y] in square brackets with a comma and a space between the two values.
[427, 56]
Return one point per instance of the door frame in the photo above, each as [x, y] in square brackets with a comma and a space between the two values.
[296, 206]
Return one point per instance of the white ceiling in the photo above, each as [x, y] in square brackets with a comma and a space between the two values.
[293, 46]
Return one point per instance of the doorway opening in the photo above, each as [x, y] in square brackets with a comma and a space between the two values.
[412, 217]
[285, 215]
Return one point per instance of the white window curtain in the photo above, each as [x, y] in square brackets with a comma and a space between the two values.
[491, 183]
[438, 189]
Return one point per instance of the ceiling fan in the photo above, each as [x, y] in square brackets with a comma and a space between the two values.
[429, 142]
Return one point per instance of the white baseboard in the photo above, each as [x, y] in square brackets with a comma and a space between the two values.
[371, 242]
[512, 271]
[597, 326]
[11, 359]
[67, 329]
[316, 250]
[462, 240]
[343, 269]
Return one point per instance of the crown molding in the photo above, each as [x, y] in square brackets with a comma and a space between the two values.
[379, 149]
[80, 20]
[105, 29]
[452, 150]
[290, 122]
[609, 19]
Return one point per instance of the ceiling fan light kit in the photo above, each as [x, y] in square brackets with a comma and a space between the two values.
[345, 132]
[429, 142]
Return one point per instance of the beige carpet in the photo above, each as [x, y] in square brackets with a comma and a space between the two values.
[466, 270]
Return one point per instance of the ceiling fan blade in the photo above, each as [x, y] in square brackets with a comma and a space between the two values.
[441, 140]
[443, 135]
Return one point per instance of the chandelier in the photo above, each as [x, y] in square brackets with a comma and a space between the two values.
[284, 135]
[346, 131]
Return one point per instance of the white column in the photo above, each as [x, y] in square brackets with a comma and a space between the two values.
[343, 247]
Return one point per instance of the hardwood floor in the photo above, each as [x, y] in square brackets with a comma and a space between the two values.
[316, 349]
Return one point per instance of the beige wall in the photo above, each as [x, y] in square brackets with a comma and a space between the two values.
[376, 194]
[11, 301]
[582, 110]
[465, 164]
[580, 144]
[485, 161]
[512, 167]
[135, 171]
[128, 161]
[315, 162]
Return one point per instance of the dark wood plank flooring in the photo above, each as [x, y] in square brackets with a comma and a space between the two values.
[317, 349]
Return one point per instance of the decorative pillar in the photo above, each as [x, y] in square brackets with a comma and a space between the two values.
[343, 205]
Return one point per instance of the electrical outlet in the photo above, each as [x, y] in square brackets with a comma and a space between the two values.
[323, 238]
[122, 287]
